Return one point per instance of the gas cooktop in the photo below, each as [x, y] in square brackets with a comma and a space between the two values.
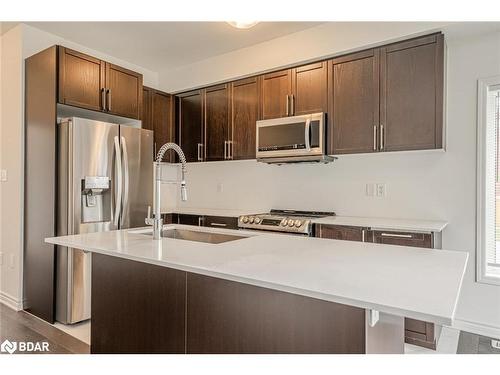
[290, 221]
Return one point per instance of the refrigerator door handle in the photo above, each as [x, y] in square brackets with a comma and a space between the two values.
[126, 177]
[118, 183]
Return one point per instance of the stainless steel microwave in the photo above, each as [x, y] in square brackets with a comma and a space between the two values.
[292, 139]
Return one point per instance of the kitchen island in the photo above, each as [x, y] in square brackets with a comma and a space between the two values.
[261, 293]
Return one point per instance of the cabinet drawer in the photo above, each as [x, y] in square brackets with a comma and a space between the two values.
[403, 238]
[414, 325]
[190, 219]
[221, 222]
[341, 232]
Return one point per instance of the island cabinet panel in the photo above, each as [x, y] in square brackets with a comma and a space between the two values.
[245, 112]
[229, 317]
[309, 86]
[190, 124]
[123, 91]
[342, 232]
[276, 92]
[217, 116]
[81, 80]
[354, 103]
[136, 307]
[411, 89]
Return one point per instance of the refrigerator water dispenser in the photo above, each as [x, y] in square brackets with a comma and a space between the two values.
[96, 199]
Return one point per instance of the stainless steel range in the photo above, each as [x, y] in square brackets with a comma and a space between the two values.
[289, 221]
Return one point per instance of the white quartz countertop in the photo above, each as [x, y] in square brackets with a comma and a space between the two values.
[356, 221]
[413, 282]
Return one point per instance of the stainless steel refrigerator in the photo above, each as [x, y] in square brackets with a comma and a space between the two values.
[105, 182]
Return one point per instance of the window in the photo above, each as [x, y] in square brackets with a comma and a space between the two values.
[488, 185]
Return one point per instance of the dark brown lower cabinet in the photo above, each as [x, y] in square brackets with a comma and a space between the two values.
[136, 307]
[225, 222]
[342, 232]
[144, 308]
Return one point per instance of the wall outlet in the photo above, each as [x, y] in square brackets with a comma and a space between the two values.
[3, 175]
[220, 187]
[381, 190]
[370, 190]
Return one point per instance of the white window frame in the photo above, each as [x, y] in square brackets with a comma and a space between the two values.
[481, 257]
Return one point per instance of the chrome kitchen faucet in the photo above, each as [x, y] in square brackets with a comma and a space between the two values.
[157, 221]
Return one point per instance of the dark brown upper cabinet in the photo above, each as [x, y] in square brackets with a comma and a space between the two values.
[411, 94]
[123, 92]
[245, 96]
[354, 103]
[309, 89]
[297, 91]
[276, 91]
[190, 125]
[217, 117]
[81, 80]
[90, 83]
[158, 116]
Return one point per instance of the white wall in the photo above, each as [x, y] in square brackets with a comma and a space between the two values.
[420, 185]
[18, 44]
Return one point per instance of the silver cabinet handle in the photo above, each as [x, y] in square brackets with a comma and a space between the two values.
[292, 107]
[225, 151]
[118, 182]
[108, 94]
[363, 235]
[199, 151]
[103, 99]
[396, 235]
[287, 106]
[230, 149]
[381, 137]
[374, 137]
[126, 179]
[218, 224]
[200, 221]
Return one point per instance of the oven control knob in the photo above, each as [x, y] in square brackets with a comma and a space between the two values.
[257, 220]
[251, 219]
[284, 222]
[291, 223]
[298, 223]
[245, 219]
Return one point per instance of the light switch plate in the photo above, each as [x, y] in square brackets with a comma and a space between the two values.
[220, 187]
[3, 175]
[381, 190]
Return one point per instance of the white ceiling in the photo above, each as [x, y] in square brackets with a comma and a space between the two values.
[166, 45]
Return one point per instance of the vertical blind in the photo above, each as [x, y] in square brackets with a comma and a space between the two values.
[493, 179]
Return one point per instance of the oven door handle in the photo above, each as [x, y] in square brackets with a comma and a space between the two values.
[307, 134]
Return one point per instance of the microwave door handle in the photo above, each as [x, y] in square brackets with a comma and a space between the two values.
[307, 134]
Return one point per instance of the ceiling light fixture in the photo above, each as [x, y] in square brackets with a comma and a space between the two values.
[243, 24]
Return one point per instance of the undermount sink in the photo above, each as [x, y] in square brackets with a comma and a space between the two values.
[199, 236]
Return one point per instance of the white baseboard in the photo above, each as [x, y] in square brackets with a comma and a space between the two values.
[10, 301]
[479, 329]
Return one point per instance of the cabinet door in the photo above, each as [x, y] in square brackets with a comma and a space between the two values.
[162, 104]
[190, 125]
[220, 222]
[245, 113]
[276, 92]
[81, 80]
[354, 103]
[123, 92]
[411, 111]
[403, 238]
[341, 232]
[217, 122]
[309, 84]
[147, 108]
[190, 219]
